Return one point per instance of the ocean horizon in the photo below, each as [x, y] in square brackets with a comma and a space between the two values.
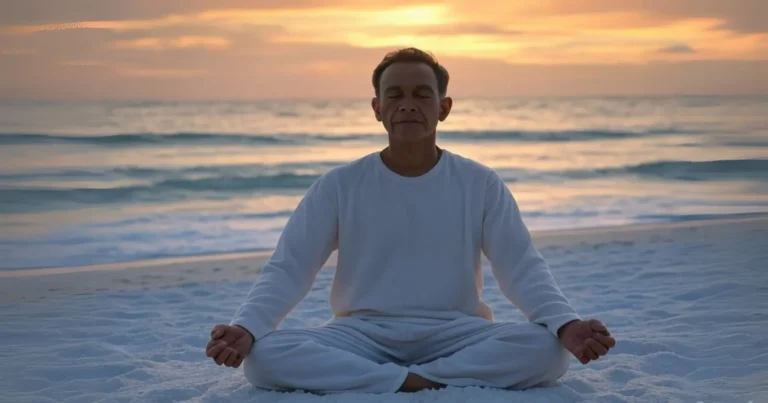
[98, 182]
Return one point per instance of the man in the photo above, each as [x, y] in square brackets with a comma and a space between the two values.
[410, 223]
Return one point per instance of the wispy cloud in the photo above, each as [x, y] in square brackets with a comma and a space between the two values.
[181, 42]
[677, 49]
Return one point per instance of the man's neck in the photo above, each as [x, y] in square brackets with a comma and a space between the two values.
[411, 159]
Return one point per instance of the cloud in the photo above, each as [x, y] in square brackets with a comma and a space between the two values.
[338, 71]
[594, 31]
[739, 15]
[468, 29]
[181, 42]
[471, 78]
[158, 49]
[32, 12]
[677, 49]
[746, 16]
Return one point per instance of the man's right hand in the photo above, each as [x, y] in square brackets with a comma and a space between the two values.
[229, 345]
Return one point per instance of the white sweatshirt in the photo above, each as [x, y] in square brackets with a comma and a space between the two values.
[407, 247]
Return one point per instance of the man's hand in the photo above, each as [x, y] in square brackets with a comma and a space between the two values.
[587, 340]
[229, 345]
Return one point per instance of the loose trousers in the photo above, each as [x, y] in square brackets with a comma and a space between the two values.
[375, 354]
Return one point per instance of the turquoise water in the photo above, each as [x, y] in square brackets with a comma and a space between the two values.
[99, 182]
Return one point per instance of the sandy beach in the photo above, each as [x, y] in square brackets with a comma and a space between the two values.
[687, 302]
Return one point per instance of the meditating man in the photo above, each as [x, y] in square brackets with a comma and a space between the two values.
[409, 224]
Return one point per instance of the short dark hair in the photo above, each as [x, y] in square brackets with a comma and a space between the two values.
[412, 55]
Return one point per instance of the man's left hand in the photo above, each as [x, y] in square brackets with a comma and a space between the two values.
[587, 340]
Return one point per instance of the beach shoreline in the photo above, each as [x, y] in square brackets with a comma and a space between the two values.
[40, 284]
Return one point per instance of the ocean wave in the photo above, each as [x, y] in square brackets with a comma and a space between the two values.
[149, 173]
[16, 200]
[239, 183]
[188, 219]
[695, 217]
[253, 176]
[554, 136]
[225, 181]
[702, 170]
[746, 143]
[688, 171]
[151, 139]
[141, 139]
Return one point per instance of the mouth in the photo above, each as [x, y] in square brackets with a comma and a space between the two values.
[409, 122]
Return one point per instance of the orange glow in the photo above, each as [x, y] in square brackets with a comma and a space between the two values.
[339, 39]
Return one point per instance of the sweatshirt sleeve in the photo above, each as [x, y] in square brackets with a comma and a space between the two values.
[305, 244]
[523, 275]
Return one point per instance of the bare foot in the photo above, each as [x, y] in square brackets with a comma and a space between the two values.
[415, 383]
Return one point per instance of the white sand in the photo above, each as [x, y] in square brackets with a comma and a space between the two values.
[688, 304]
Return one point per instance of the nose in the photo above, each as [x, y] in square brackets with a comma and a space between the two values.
[404, 108]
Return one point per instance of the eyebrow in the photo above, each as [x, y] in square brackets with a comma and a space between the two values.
[418, 88]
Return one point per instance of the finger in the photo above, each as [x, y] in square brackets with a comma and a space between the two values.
[224, 355]
[598, 326]
[605, 332]
[239, 361]
[579, 354]
[592, 355]
[233, 357]
[241, 351]
[607, 341]
[218, 331]
[588, 353]
[232, 336]
[598, 348]
[212, 343]
[215, 349]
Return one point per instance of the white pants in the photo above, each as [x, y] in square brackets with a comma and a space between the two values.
[375, 354]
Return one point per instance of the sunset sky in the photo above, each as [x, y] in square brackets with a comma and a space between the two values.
[235, 49]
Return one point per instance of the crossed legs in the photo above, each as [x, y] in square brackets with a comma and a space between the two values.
[350, 354]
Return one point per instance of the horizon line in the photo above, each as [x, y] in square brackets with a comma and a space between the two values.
[363, 98]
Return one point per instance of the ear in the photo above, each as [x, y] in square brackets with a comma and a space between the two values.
[376, 106]
[445, 108]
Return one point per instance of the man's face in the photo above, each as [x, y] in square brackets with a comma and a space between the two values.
[409, 104]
